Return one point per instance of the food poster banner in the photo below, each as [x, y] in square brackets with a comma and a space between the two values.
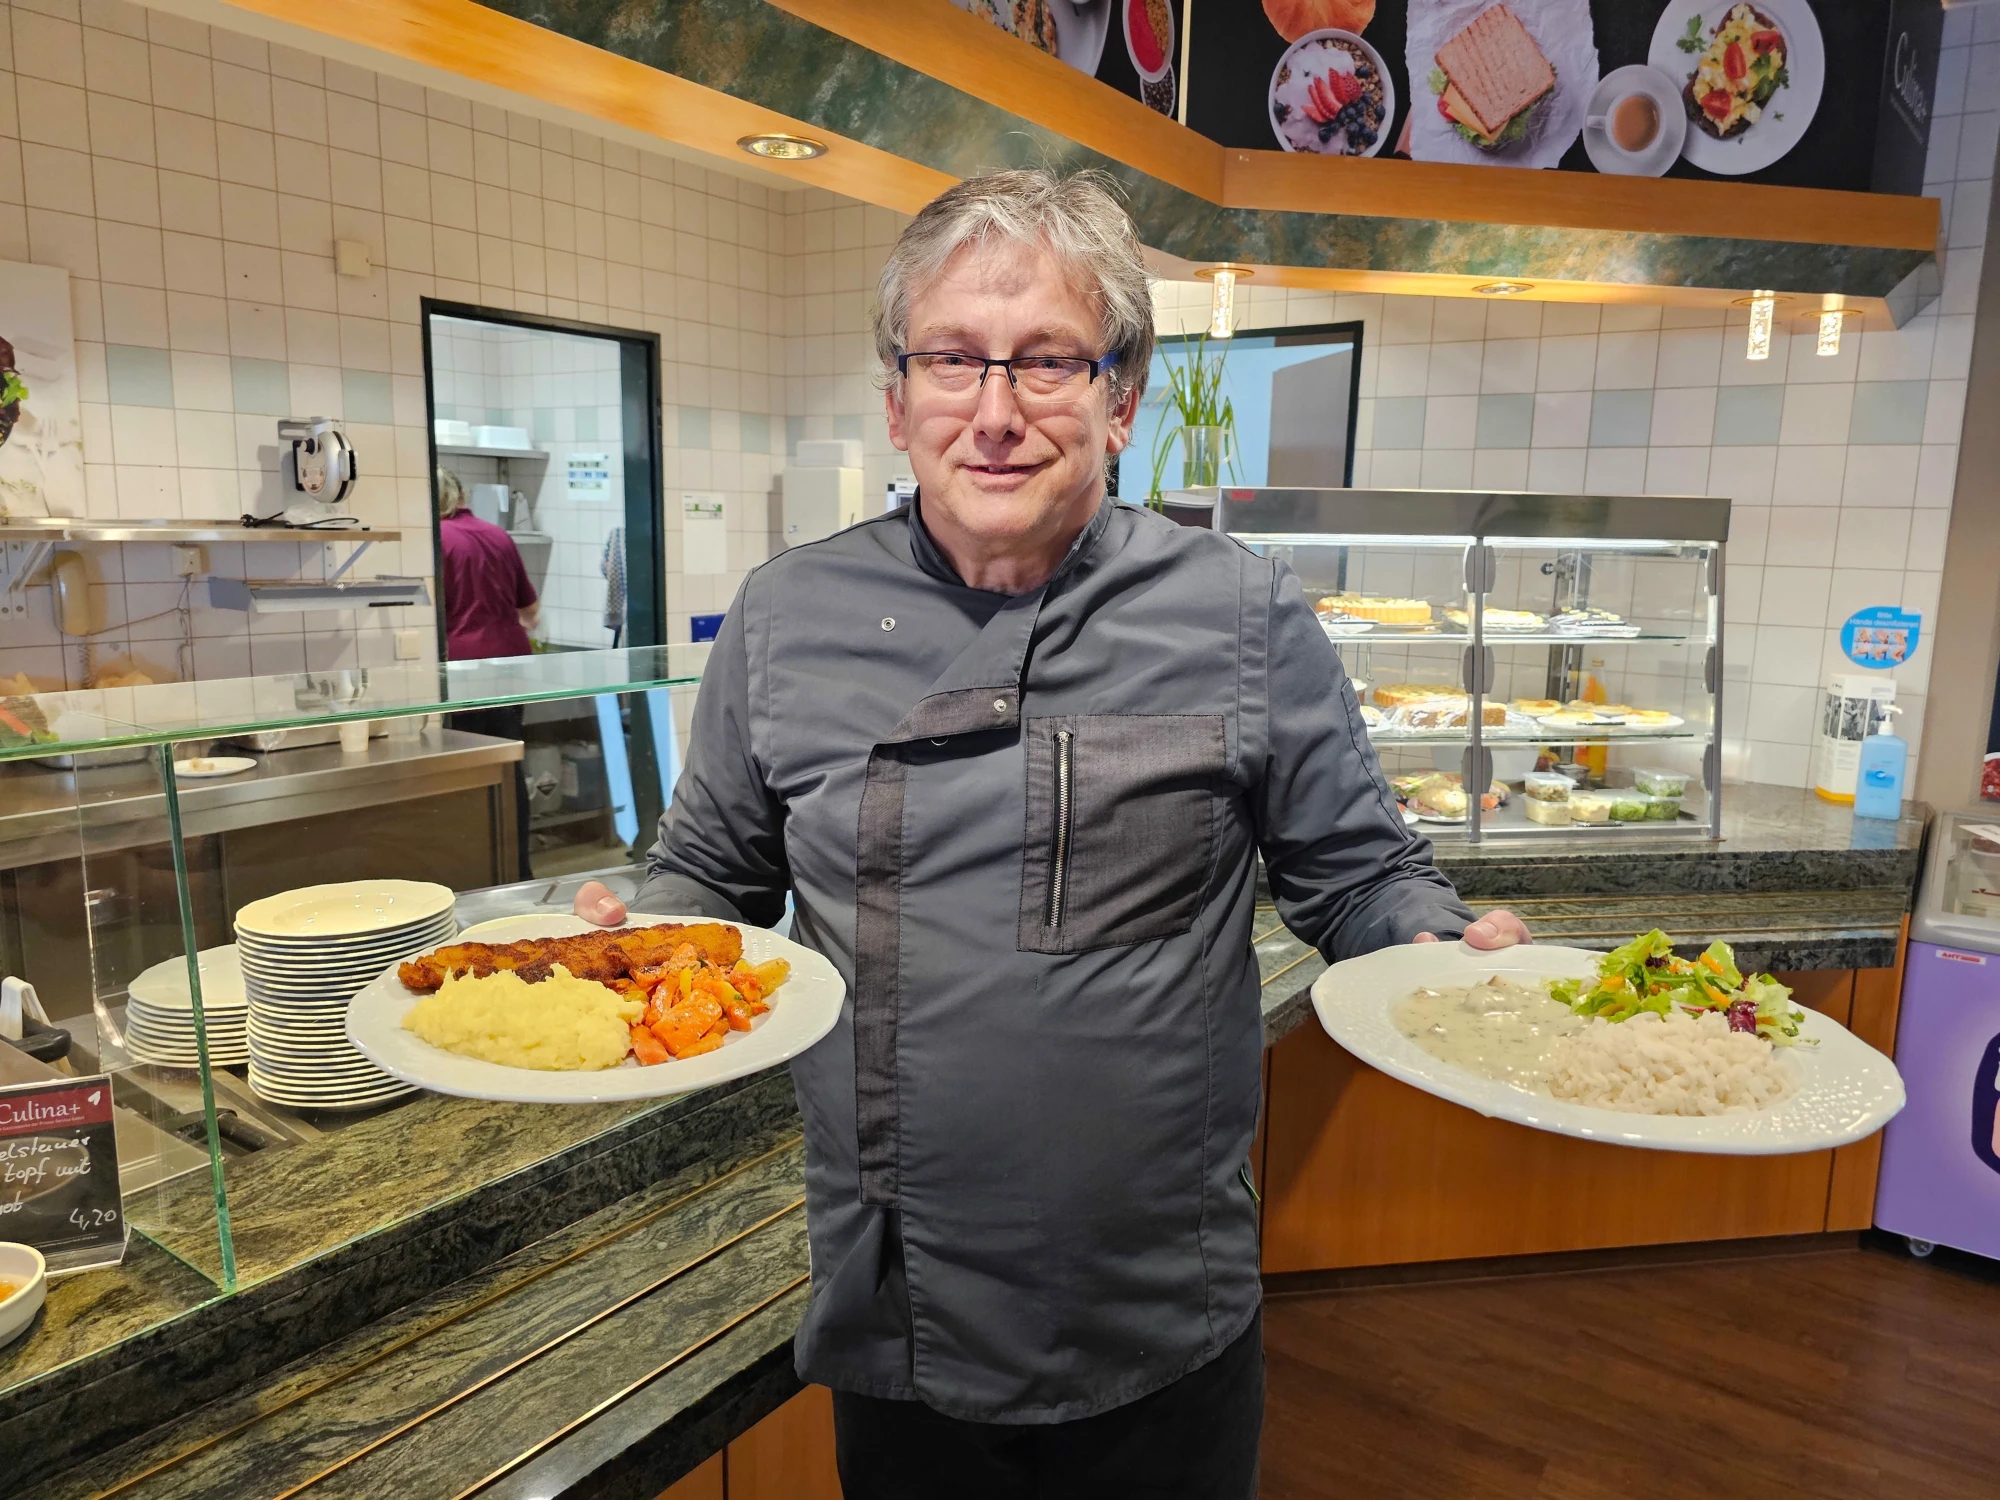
[1132, 45]
[1805, 93]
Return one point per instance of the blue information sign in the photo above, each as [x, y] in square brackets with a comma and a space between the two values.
[1883, 636]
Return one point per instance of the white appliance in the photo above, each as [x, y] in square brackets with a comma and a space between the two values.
[492, 502]
[317, 470]
[821, 491]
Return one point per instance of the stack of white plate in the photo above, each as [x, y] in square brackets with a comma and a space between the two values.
[305, 954]
[159, 1012]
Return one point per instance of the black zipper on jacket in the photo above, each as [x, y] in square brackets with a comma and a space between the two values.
[1059, 856]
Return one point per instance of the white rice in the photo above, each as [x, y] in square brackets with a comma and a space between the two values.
[1677, 1064]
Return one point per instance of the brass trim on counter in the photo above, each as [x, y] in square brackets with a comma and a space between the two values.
[498, 1294]
[550, 1347]
[633, 1389]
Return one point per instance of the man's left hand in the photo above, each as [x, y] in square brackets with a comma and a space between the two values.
[1497, 929]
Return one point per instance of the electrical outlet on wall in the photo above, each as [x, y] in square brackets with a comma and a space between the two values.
[189, 562]
[409, 645]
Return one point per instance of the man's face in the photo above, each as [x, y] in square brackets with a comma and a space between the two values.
[999, 466]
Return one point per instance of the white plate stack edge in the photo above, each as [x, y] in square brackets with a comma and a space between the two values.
[305, 954]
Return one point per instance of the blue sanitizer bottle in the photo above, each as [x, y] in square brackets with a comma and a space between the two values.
[1878, 781]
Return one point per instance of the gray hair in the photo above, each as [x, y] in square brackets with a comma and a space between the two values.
[1077, 218]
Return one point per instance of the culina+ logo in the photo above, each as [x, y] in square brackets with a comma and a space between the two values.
[1907, 86]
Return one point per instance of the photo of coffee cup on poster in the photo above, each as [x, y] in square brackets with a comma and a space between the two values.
[1807, 93]
[1130, 45]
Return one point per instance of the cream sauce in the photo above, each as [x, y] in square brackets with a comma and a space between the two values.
[1496, 1028]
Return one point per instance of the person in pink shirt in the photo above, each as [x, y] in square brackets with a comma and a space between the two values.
[489, 605]
[488, 602]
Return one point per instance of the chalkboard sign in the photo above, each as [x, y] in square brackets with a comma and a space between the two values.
[59, 1172]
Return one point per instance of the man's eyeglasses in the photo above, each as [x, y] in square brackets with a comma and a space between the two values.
[1035, 376]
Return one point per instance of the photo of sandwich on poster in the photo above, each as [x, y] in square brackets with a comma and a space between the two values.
[1491, 78]
[1507, 82]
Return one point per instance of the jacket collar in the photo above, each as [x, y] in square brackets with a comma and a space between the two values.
[981, 690]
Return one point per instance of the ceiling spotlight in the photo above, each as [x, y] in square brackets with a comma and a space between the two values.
[1504, 288]
[777, 146]
[1222, 297]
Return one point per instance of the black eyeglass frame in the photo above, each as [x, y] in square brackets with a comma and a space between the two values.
[1098, 365]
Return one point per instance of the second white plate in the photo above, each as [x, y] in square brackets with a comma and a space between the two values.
[1847, 1090]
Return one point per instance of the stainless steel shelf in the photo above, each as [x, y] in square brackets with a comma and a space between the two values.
[78, 529]
[468, 450]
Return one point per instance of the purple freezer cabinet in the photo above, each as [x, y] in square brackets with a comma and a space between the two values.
[1940, 1178]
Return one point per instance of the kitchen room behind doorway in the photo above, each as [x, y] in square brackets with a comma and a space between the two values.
[551, 430]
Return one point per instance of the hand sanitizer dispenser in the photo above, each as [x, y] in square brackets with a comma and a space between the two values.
[1878, 783]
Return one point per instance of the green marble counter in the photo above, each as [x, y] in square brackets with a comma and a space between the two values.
[459, 1297]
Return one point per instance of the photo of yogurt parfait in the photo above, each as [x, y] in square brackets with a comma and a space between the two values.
[1330, 94]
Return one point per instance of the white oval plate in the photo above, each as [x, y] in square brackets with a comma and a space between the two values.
[214, 765]
[165, 985]
[1770, 138]
[802, 1012]
[351, 908]
[301, 950]
[1847, 1090]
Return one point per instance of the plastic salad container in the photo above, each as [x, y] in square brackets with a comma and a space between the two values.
[1662, 809]
[1659, 783]
[1590, 807]
[1628, 806]
[1540, 810]
[1546, 786]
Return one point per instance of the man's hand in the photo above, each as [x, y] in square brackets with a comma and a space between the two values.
[1497, 929]
[595, 903]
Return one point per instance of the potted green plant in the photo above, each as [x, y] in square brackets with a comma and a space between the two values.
[1196, 413]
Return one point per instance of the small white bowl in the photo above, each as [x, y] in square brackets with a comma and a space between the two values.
[23, 1266]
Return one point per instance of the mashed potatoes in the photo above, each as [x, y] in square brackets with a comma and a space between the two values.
[562, 1024]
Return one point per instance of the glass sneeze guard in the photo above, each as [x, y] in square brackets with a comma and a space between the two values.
[120, 879]
[96, 719]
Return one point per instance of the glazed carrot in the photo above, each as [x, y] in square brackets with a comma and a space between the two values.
[647, 1048]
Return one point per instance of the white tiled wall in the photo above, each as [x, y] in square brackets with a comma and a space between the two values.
[193, 181]
[1840, 469]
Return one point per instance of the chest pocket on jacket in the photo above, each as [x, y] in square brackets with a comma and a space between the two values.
[1120, 829]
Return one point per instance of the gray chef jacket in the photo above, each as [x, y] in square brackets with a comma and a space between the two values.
[1024, 829]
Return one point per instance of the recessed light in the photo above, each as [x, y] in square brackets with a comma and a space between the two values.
[1504, 288]
[777, 146]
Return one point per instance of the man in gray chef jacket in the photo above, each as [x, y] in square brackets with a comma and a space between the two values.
[1014, 750]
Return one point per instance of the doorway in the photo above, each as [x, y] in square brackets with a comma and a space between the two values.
[549, 430]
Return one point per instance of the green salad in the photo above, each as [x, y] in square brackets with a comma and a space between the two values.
[12, 387]
[1646, 976]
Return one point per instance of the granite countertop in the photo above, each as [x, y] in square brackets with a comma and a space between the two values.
[596, 1309]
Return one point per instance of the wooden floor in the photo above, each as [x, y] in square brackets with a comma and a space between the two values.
[1857, 1372]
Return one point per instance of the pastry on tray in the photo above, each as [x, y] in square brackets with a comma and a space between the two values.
[1536, 707]
[1499, 619]
[1383, 611]
[1396, 694]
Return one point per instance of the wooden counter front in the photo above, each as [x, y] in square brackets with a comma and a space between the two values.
[1361, 1170]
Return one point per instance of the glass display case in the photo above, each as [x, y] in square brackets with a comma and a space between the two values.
[1562, 654]
[137, 824]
